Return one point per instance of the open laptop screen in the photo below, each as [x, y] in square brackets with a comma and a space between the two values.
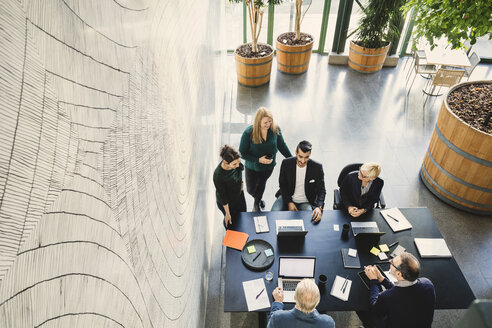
[296, 267]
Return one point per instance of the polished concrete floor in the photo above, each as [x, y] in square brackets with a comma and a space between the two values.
[351, 117]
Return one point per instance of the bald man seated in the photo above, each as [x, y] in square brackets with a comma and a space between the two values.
[304, 314]
[410, 302]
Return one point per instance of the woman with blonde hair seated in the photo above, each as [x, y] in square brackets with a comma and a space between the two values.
[259, 145]
[360, 190]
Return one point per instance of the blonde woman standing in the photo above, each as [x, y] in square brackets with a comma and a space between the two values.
[259, 145]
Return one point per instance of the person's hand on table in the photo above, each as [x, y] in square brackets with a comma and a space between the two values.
[380, 276]
[291, 206]
[264, 160]
[317, 213]
[278, 294]
[356, 212]
[371, 272]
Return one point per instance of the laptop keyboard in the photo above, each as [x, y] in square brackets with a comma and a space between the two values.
[289, 228]
[290, 285]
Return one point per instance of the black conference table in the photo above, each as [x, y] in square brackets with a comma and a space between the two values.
[452, 289]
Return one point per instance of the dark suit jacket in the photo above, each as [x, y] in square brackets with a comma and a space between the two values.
[350, 192]
[314, 184]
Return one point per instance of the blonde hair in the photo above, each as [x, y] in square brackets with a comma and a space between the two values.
[307, 295]
[260, 114]
[371, 169]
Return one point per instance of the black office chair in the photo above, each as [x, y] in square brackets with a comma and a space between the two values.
[337, 198]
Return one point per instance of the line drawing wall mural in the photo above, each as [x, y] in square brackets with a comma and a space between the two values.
[107, 106]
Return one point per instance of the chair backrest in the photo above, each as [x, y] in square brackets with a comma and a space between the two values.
[474, 60]
[419, 60]
[346, 170]
[447, 77]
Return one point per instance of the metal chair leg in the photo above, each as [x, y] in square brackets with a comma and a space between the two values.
[411, 84]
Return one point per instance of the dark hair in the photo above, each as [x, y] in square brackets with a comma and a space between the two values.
[305, 146]
[229, 153]
[409, 267]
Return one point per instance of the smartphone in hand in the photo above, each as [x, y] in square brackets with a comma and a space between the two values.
[268, 156]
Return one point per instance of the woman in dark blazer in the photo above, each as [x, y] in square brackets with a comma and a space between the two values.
[360, 190]
[228, 181]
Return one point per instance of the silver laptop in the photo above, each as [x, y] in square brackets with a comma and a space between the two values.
[290, 228]
[366, 228]
[291, 270]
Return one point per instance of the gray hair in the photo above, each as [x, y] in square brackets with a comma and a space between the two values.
[307, 295]
[409, 266]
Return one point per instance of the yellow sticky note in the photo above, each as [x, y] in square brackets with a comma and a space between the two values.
[251, 249]
[375, 251]
[384, 248]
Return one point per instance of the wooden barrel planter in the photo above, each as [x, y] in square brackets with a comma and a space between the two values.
[253, 72]
[457, 167]
[366, 60]
[293, 59]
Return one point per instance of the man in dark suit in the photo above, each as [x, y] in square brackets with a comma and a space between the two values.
[302, 183]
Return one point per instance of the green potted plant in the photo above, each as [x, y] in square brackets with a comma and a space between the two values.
[453, 167]
[456, 20]
[254, 59]
[294, 49]
[377, 27]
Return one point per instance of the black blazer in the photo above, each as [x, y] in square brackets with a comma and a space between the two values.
[314, 184]
[350, 192]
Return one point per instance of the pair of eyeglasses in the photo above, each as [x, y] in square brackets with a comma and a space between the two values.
[391, 262]
[362, 175]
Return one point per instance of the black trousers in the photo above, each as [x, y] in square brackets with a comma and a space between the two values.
[256, 182]
[234, 209]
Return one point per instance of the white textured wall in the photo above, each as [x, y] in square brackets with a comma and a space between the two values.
[107, 141]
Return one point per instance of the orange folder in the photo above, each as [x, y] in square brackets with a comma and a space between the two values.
[235, 239]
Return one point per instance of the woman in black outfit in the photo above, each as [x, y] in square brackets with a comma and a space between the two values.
[228, 181]
[360, 190]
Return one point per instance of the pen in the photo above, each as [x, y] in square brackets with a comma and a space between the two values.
[257, 256]
[344, 285]
[393, 218]
[391, 245]
[260, 293]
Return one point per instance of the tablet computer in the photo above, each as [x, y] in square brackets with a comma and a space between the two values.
[365, 279]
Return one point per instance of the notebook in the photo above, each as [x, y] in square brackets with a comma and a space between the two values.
[432, 247]
[341, 288]
[261, 224]
[395, 219]
[349, 261]
[291, 270]
[256, 294]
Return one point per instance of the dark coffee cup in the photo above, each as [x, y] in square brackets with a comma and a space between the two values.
[345, 231]
[322, 279]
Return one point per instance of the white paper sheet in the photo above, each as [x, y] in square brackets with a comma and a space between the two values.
[338, 291]
[352, 252]
[395, 219]
[253, 288]
[261, 224]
